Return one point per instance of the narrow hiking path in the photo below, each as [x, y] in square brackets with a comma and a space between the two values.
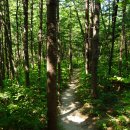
[70, 117]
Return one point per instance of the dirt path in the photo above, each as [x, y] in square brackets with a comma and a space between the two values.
[70, 117]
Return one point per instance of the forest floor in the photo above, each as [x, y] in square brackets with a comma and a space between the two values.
[71, 117]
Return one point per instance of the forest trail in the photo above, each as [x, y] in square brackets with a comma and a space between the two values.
[70, 117]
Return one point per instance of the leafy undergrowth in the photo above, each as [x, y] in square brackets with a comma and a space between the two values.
[111, 108]
[64, 77]
[21, 107]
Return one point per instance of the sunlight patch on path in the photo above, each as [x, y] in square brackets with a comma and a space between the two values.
[70, 117]
[76, 118]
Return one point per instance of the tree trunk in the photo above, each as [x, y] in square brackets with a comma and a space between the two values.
[2, 65]
[9, 39]
[1, 49]
[51, 64]
[114, 15]
[0, 62]
[17, 30]
[25, 42]
[40, 39]
[95, 49]
[81, 27]
[59, 51]
[5, 44]
[90, 34]
[87, 37]
[123, 39]
[31, 31]
[79, 21]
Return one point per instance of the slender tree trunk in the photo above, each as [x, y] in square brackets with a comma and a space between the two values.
[106, 35]
[2, 73]
[1, 48]
[120, 59]
[5, 43]
[25, 42]
[95, 48]
[123, 39]
[105, 28]
[51, 64]
[17, 40]
[21, 51]
[6, 55]
[9, 39]
[31, 31]
[109, 16]
[87, 37]
[79, 21]
[124, 34]
[17, 29]
[114, 15]
[3, 56]
[40, 39]
[0, 62]
[81, 27]
[90, 34]
[126, 56]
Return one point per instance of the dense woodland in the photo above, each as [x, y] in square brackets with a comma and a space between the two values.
[43, 42]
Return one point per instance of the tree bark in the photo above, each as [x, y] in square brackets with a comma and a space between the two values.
[51, 64]
[17, 30]
[87, 36]
[1, 48]
[2, 65]
[31, 31]
[91, 34]
[40, 39]
[123, 38]
[0, 61]
[95, 49]
[25, 42]
[9, 39]
[114, 15]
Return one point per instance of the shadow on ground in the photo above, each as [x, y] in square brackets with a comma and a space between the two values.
[70, 117]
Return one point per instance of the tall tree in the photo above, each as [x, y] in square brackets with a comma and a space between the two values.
[87, 36]
[95, 48]
[124, 32]
[81, 27]
[25, 42]
[2, 56]
[114, 15]
[8, 37]
[51, 64]
[40, 39]
[79, 21]
[1, 47]
[31, 33]
[17, 29]
[91, 24]
[123, 40]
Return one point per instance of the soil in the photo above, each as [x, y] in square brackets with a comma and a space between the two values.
[70, 117]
